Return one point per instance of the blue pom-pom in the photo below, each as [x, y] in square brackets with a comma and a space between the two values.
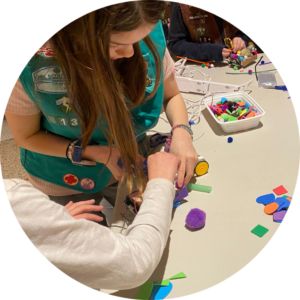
[209, 67]
[230, 139]
[191, 123]
[262, 62]
[195, 218]
[223, 100]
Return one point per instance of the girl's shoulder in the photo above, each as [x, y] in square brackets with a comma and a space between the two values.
[46, 50]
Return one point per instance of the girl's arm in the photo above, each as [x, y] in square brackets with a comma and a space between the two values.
[182, 144]
[91, 253]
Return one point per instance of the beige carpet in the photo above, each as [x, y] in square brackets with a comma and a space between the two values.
[10, 160]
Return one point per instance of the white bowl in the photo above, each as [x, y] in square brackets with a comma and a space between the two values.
[238, 125]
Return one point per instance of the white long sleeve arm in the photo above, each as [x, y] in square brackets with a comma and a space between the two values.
[88, 252]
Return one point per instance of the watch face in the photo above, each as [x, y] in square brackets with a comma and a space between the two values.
[77, 154]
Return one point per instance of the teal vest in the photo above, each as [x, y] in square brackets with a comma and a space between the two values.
[43, 81]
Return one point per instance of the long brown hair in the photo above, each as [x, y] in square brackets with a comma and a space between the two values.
[82, 50]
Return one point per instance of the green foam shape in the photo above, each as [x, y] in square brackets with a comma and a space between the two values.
[219, 102]
[284, 197]
[239, 111]
[228, 111]
[145, 291]
[167, 281]
[260, 230]
[178, 276]
[231, 118]
[163, 283]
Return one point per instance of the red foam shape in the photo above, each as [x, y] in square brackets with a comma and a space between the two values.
[280, 190]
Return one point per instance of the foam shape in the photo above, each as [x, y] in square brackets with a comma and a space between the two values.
[271, 208]
[285, 203]
[160, 292]
[223, 100]
[231, 118]
[243, 112]
[289, 198]
[250, 115]
[178, 276]
[247, 105]
[180, 194]
[163, 283]
[145, 291]
[266, 199]
[242, 103]
[280, 190]
[260, 230]
[279, 215]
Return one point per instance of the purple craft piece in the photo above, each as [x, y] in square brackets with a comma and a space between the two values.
[180, 194]
[195, 218]
[224, 107]
[279, 215]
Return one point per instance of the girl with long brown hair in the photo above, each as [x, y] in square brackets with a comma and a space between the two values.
[88, 96]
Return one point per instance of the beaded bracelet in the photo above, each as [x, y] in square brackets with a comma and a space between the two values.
[186, 127]
[69, 153]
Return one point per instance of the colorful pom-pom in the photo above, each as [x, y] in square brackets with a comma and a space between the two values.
[245, 56]
[250, 71]
[242, 70]
[255, 52]
[235, 68]
[239, 52]
[241, 58]
[195, 218]
[262, 62]
[212, 65]
[203, 65]
[230, 140]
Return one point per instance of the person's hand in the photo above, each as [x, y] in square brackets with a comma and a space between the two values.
[238, 44]
[163, 165]
[226, 52]
[182, 146]
[100, 154]
[80, 210]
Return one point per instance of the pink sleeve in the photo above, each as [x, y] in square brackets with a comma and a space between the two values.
[169, 65]
[19, 102]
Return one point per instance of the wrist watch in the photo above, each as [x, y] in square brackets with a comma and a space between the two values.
[76, 158]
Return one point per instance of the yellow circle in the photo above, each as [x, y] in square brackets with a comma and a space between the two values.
[201, 168]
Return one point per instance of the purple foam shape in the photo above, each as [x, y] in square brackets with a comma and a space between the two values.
[279, 215]
[180, 194]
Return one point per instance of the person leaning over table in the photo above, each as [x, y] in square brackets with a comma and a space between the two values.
[97, 87]
[90, 253]
[199, 35]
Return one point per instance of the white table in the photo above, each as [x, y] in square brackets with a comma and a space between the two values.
[254, 164]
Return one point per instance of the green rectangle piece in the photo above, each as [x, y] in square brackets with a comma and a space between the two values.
[259, 230]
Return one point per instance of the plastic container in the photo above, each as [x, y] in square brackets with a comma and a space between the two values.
[239, 125]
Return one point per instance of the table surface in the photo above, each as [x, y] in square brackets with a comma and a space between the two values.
[252, 165]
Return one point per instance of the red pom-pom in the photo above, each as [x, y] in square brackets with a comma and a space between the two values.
[255, 52]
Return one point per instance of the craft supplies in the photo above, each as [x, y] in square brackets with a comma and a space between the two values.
[249, 73]
[199, 188]
[266, 79]
[230, 140]
[238, 106]
[259, 230]
[276, 206]
[201, 167]
[195, 218]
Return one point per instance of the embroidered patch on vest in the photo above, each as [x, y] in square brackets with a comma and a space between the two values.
[63, 104]
[70, 179]
[87, 183]
[46, 50]
[49, 80]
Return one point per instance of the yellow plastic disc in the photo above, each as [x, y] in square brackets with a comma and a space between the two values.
[201, 168]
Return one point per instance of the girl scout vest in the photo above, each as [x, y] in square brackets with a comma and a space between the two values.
[43, 81]
[203, 27]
